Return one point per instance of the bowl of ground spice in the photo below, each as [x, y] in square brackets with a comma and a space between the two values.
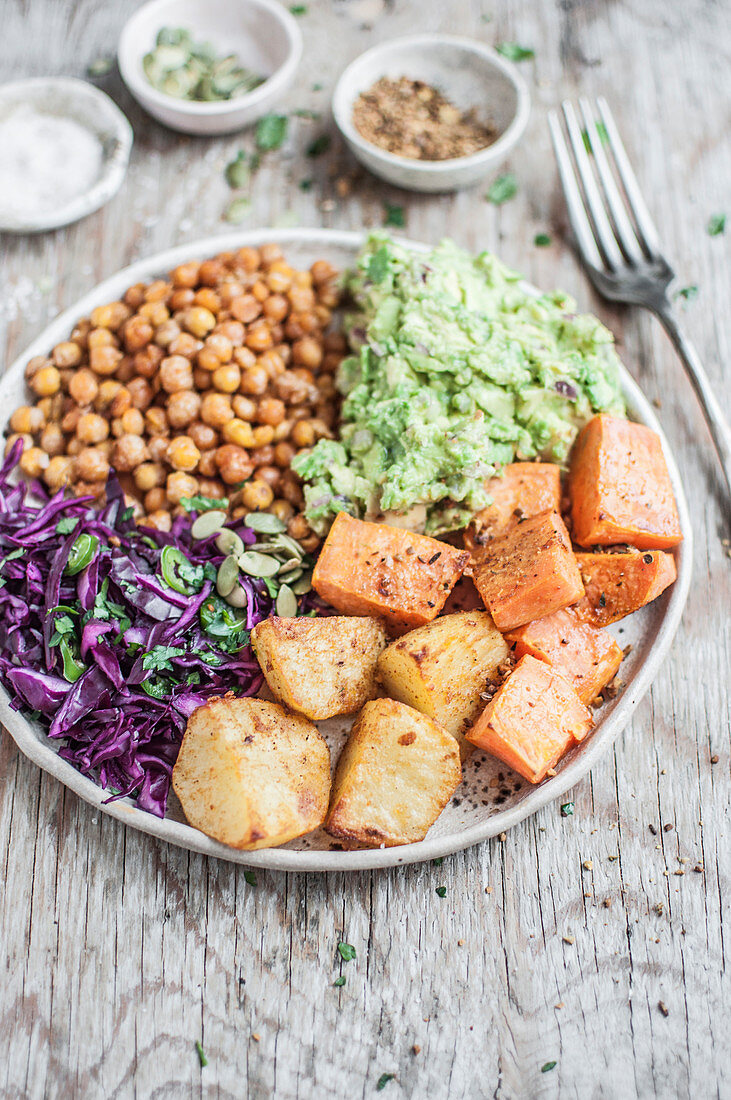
[431, 112]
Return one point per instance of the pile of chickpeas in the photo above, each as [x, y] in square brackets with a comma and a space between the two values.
[208, 382]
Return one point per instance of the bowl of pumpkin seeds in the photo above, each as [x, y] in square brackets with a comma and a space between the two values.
[209, 66]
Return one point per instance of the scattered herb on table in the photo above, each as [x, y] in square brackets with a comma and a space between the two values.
[716, 225]
[346, 951]
[100, 66]
[238, 171]
[298, 9]
[339, 981]
[250, 878]
[548, 1066]
[237, 210]
[541, 240]
[306, 185]
[319, 145]
[442, 891]
[201, 1053]
[394, 215]
[383, 1081]
[515, 52]
[271, 131]
[306, 112]
[438, 861]
[503, 188]
[601, 131]
[687, 293]
[567, 810]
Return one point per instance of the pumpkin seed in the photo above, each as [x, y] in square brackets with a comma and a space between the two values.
[228, 575]
[289, 566]
[258, 565]
[285, 542]
[286, 603]
[228, 542]
[303, 585]
[238, 597]
[207, 524]
[265, 523]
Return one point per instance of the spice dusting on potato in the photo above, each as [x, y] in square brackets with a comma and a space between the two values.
[413, 119]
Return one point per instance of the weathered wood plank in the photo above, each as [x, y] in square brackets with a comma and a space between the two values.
[118, 953]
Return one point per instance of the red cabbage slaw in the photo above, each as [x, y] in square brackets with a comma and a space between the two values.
[106, 655]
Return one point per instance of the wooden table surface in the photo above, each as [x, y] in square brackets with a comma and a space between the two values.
[596, 942]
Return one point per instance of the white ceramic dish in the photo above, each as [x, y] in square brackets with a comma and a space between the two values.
[262, 33]
[77, 100]
[468, 72]
[479, 810]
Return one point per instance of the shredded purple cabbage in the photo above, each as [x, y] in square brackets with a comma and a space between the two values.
[143, 657]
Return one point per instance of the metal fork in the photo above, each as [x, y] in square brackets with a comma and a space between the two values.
[618, 241]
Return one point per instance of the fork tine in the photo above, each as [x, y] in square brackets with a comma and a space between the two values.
[594, 200]
[574, 202]
[622, 224]
[645, 224]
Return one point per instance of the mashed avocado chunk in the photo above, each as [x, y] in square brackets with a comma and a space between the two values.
[456, 370]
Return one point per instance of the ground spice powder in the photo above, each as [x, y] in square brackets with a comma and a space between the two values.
[412, 119]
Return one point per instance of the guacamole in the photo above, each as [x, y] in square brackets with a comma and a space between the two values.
[456, 370]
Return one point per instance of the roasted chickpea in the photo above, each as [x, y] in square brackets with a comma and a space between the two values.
[181, 299]
[322, 271]
[207, 465]
[186, 275]
[183, 408]
[140, 392]
[226, 379]
[282, 509]
[74, 446]
[156, 421]
[157, 446]
[110, 316]
[257, 495]
[104, 360]
[59, 472]
[272, 476]
[157, 291]
[182, 453]
[211, 272]
[303, 434]
[291, 389]
[207, 360]
[203, 435]
[330, 363]
[34, 461]
[238, 432]
[52, 440]
[149, 475]
[28, 420]
[270, 411]
[262, 456]
[12, 439]
[220, 345]
[272, 362]
[111, 395]
[198, 320]
[263, 435]
[283, 430]
[249, 259]
[159, 520]
[254, 381]
[233, 463]
[207, 298]
[244, 357]
[216, 409]
[166, 333]
[176, 374]
[45, 381]
[136, 334]
[245, 308]
[129, 451]
[34, 365]
[185, 344]
[155, 499]
[126, 369]
[291, 489]
[298, 528]
[307, 352]
[133, 422]
[92, 428]
[259, 336]
[229, 290]
[92, 464]
[269, 254]
[283, 455]
[71, 419]
[244, 407]
[202, 380]
[181, 485]
[67, 354]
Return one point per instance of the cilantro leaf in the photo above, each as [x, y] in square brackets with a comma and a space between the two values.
[305, 185]
[548, 1066]
[716, 225]
[298, 9]
[271, 130]
[503, 188]
[541, 240]
[238, 171]
[687, 293]
[339, 981]
[319, 145]
[237, 210]
[514, 52]
[66, 525]
[201, 1053]
[567, 810]
[202, 504]
[158, 659]
[394, 215]
[442, 891]
[250, 878]
[346, 951]
[383, 1081]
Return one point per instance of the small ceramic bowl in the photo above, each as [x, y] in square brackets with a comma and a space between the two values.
[73, 99]
[261, 33]
[468, 73]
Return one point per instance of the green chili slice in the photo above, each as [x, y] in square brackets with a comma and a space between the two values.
[173, 566]
[82, 554]
[72, 668]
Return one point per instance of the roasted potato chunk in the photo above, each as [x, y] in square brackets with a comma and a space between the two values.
[251, 775]
[320, 667]
[441, 669]
[395, 775]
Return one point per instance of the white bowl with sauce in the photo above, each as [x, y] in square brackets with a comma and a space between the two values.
[263, 35]
[68, 101]
[469, 73]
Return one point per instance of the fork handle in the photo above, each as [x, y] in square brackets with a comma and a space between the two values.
[699, 379]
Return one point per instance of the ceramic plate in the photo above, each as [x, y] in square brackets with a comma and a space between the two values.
[491, 798]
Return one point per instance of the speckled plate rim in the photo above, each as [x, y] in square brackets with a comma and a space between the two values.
[37, 748]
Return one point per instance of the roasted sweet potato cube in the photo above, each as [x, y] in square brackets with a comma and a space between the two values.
[322, 666]
[441, 668]
[620, 487]
[521, 490]
[618, 584]
[528, 572]
[251, 775]
[532, 720]
[586, 655]
[395, 575]
[395, 775]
